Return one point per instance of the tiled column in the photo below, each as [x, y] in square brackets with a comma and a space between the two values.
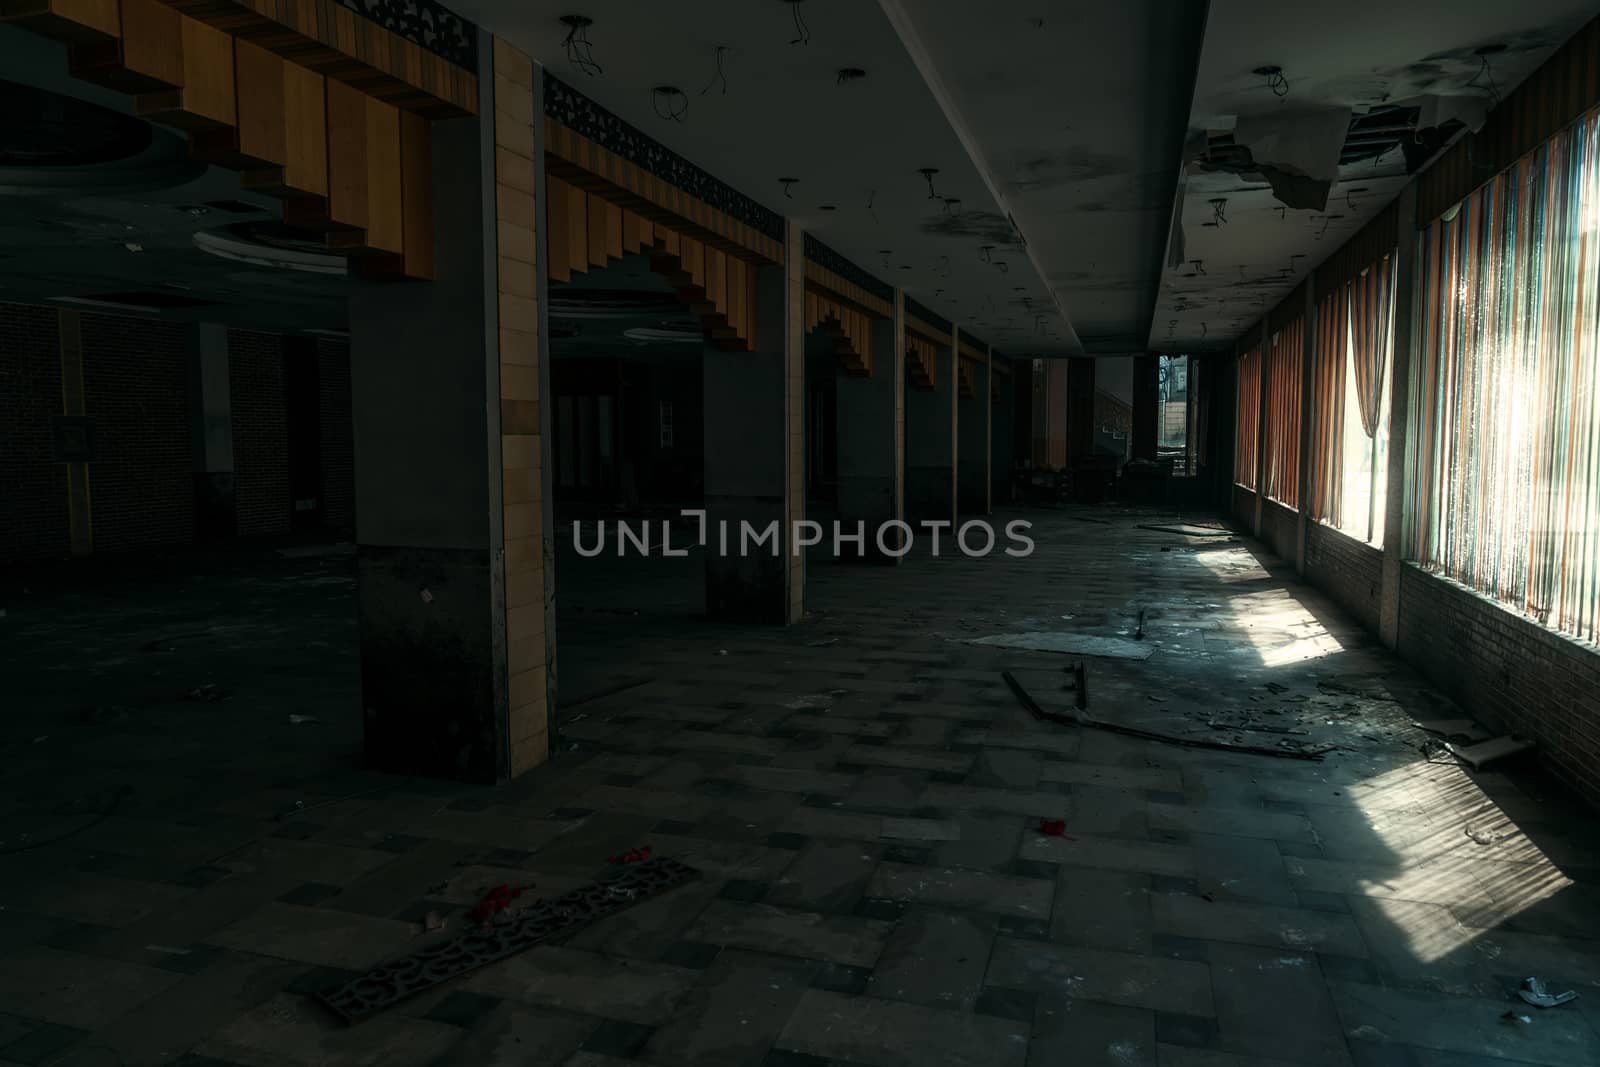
[447, 383]
[74, 433]
[871, 420]
[1405, 333]
[931, 443]
[755, 456]
[211, 431]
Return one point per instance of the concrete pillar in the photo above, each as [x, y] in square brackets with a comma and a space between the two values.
[1397, 494]
[447, 382]
[211, 431]
[871, 429]
[972, 466]
[1079, 414]
[1002, 435]
[1146, 398]
[931, 442]
[1308, 350]
[755, 456]
[1260, 415]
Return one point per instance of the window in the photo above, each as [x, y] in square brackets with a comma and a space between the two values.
[1350, 427]
[1174, 398]
[1282, 457]
[1504, 459]
[1248, 420]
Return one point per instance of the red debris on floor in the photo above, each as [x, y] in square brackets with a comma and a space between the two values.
[633, 855]
[495, 901]
[1053, 828]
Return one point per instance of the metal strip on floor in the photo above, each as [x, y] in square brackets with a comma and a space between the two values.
[542, 921]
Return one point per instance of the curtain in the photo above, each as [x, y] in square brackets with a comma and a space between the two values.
[1372, 336]
[1505, 458]
[1327, 406]
[1248, 421]
[1282, 456]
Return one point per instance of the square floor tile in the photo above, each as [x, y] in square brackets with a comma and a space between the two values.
[616, 1038]
[693, 954]
[841, 978]
[462, 1008]
[1016, 1004]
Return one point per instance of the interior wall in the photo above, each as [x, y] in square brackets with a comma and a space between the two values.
[136, 389]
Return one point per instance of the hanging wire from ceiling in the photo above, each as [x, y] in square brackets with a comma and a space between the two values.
[927, 176]
[670, 102]
[719, 76]
[580, 52]
[1219, 211]
[983, 253]
[788, 184]
[801, 30]
[952, 205]
[849, 74]
[1276, 81]
[1484, 78]
[872, 194]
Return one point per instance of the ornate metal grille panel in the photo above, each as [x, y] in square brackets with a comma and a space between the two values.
[545, 920]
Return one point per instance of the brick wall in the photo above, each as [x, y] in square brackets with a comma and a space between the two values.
[1280, 529]
[338, 436]
[1506, 670]
[141, 484]
[1350, 572]
[33, 487]
[1244, 507]
[260, 433]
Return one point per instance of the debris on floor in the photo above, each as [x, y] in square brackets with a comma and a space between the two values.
[1453, 729]
[1185, 529]
[1053, 828]
[495, 901]
[633, 855]
[209, 693]
[1534, 992]
[303, 720]
[545, 920]
[1486, 752]
[1286, 749]
[1078, 684]
[1068, 643]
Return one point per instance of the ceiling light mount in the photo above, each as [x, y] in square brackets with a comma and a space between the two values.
[849, 74]
[1276, 81]
[928, 174]
[670, 102]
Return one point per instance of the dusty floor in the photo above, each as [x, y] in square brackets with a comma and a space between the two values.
[861, 794]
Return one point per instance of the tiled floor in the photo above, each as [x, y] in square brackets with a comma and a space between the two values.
[862, 795]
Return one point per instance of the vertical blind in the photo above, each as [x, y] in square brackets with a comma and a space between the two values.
[1248, 421]
[1505, 458]
[1282, 455]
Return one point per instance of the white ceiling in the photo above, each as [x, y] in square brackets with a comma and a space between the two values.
[1357, 54]
[1077, 115]
[784, 115]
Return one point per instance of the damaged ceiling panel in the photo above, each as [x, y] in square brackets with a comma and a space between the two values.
[1296, 141]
